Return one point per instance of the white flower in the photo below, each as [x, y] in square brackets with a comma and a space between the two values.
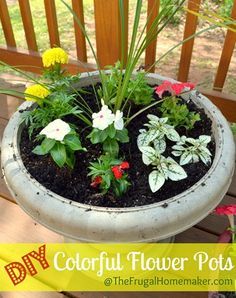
[56, 130]
[103, 119]
[119, 121]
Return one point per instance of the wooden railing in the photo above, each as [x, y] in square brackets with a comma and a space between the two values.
[108, 37]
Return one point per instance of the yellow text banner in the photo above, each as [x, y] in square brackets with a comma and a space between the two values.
[117, 267]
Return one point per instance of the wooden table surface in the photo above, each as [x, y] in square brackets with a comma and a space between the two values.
[21, 228]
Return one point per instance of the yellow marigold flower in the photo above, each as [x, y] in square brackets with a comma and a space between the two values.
[55, 55]
[36, 90]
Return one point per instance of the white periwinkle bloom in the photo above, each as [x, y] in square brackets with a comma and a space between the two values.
[56, 130]
[103, 119]
[119, 121]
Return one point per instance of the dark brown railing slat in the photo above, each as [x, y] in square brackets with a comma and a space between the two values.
[108, 30]
[51, 16]
[6, 24]
[225, 102]
[77, 6]
[150, 55]
[187, 47]
[28, 24]
[226, 55]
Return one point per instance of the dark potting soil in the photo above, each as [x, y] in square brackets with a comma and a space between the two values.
[75, 185]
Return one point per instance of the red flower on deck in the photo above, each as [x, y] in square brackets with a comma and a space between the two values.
[225, 210]
[96, 181]
[118, 171]
[173, 88]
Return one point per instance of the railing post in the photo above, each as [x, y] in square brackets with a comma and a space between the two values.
[187, 48]
[226, 55]
[150, 55]
[51, 16]
[6, 24]
[108, 30]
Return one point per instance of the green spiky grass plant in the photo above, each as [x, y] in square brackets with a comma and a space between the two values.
[138, 44]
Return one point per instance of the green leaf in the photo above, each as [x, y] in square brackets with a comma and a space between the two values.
[153, 118]
[45, 147]
[111, 131]
[205, 158]
[186, 158]
[106, 181]
[233, 128]
[122, 135]
[159, 145]
[205, 139]
[111, 147]
[98, 136]
[143, 139]
[148, 150]
[58, 154]
[176, 153]
[156, 180]
[47, 144]
[175, 171]
[149, 154]
[70, 159]
[153, 134]
[39, 150]
[73, 142]
[173, 135]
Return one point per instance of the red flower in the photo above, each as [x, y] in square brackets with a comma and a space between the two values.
[165, 86]
[124, 165]
[226, 210]
[191, 86]
[119, 170]
[96, 181]
[174, 89]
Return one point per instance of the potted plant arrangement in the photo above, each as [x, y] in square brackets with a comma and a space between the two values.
[117, 155]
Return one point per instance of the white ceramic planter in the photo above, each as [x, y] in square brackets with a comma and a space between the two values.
[137, 224]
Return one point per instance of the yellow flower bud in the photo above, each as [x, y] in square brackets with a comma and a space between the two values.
[55, 55]
[36, 90]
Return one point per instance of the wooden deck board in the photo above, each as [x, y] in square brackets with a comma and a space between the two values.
[9, 105]
[17, 226]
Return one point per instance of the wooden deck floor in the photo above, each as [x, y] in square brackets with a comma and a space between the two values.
[16, 226]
